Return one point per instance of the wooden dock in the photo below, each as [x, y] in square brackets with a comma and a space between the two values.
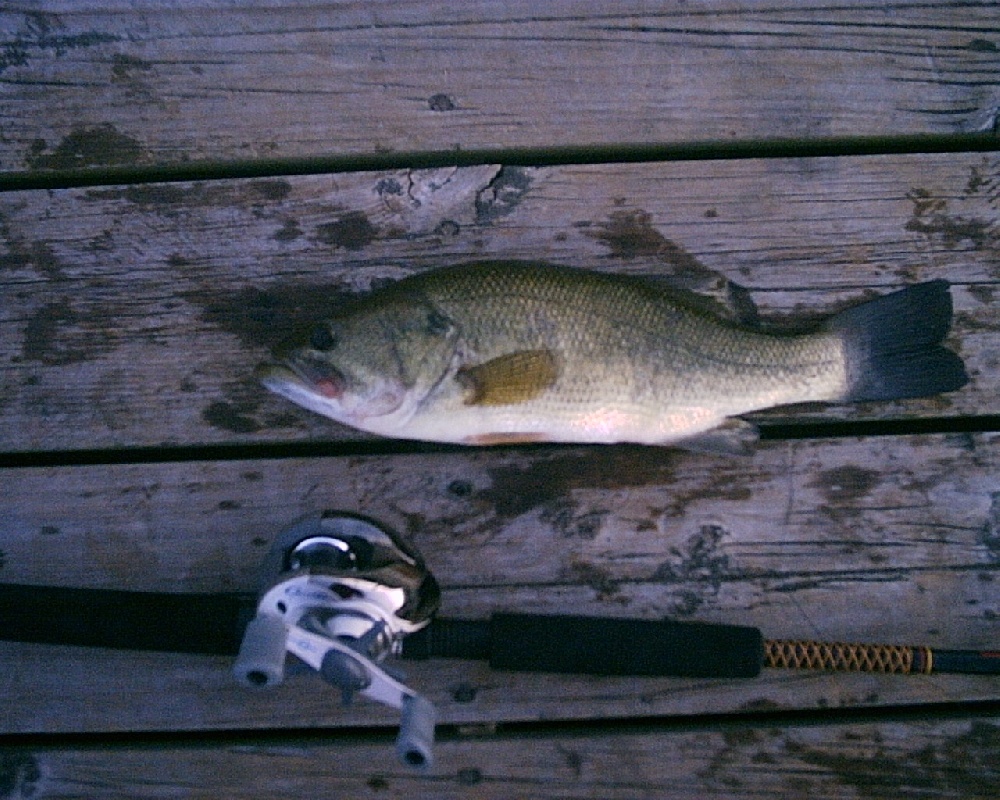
[186, 183]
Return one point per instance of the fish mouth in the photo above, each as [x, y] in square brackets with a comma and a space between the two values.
[293, 373]
[327, 391]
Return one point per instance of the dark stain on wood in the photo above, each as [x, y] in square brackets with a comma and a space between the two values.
[760, 705]
[990, 537]
[20, 775]
[441, 102]
[983, 293]
[464, 693]
[268, 317]
[982, 46]
[573, 759]
[93, 146]
[240, 409]
[700, 566]
[502, 194]
[740, 737]
[583, 572]
[448, 227]
[972, 323]
[57, 334]
[952, 231]
[460, 489]
[168, 197]
[979, 178]
[845, 485]
[388, 186]
[131, 73]
[352, 231]
[288, 232]
[931, 218]
[124, 66]
[37, 255]
[630, 234]
[954, 768]
[567, 523]
[469, 776]
[272, 190]
[722, 485]
[37, 35]
[234, 416]
[517, 489]
[377, 783]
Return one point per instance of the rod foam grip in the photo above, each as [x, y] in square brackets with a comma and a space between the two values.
[611, 646]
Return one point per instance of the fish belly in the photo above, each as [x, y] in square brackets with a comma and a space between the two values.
[647, 403]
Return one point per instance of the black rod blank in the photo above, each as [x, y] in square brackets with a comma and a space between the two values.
[213, 624]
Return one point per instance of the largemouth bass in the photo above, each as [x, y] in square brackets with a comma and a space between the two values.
[498, 352]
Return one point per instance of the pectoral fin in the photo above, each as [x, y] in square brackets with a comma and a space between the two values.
[509, 379]
[734, 437]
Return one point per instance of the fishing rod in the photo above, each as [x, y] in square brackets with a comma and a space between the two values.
[347, 596]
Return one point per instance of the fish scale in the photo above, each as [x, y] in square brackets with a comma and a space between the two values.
[495, 352]
[630, 353]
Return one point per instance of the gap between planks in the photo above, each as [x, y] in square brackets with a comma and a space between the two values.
[844, 147]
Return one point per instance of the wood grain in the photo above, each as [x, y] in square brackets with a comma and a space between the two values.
[101, 84]
[93, 692]
[135, 315]
[882, 539]
[841, 761]
[132, 316]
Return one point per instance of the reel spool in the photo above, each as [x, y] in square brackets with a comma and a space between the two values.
[340, 593]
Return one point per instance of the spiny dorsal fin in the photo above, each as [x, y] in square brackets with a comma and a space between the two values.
[509, 379]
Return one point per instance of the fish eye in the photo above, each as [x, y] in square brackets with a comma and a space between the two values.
[322, 339]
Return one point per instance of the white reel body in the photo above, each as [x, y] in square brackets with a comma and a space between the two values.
[340, 593]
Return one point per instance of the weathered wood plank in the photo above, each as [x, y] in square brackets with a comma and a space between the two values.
[132, 315]
[133, 83]
[65, 690]
[954, 759]
[135, 315]
[878, 539]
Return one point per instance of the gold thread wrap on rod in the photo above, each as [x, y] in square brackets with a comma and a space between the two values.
[842, 656]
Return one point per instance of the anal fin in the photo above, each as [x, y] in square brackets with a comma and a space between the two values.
[734, 437]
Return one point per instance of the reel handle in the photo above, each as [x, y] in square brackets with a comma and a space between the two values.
[261, 660]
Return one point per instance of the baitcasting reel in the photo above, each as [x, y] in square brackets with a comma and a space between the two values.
[340, 593]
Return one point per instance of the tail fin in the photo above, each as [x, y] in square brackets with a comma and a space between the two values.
[893, 345]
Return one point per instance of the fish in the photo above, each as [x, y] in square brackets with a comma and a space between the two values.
[500, 352]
